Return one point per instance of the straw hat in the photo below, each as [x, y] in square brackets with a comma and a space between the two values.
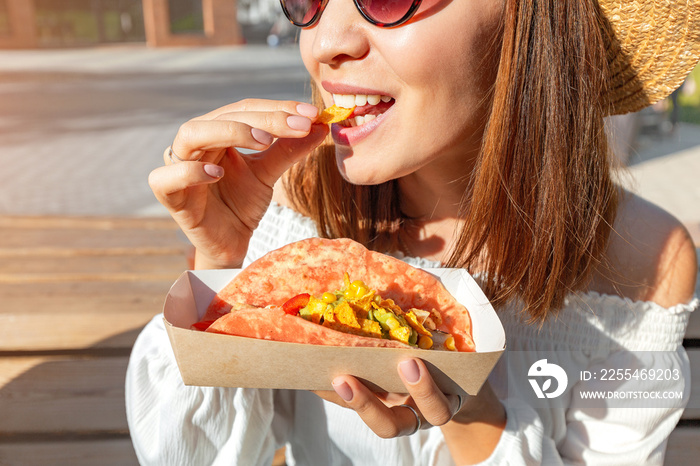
[652, 45]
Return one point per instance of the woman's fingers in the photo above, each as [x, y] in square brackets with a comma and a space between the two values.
[199, 138]
[427, 405]
[170, 182]
[263, 105]
[252, 124]
[269, 165]
[385, 421]
[436, 408]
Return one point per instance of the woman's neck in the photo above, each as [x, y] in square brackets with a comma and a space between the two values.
[431, 203]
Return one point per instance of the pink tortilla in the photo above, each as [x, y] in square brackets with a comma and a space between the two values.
[317, 265]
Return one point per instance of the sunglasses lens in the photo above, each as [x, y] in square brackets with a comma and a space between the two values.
[386, 11]
[301, 12]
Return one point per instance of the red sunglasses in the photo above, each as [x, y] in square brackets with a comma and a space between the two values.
[382, 13]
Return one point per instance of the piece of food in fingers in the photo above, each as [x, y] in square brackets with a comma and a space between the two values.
[335, 114]
[303, 293]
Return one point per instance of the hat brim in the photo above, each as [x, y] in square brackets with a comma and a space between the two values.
[652, 46]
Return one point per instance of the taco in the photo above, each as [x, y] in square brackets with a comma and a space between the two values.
[339, 293]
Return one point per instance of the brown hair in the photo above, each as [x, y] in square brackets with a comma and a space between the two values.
[541, 201]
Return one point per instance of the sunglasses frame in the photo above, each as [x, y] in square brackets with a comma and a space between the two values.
[319, 11]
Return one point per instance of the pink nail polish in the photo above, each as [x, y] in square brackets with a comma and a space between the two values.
[263, 137]
[214, 171]
[344, 390]
[307, 110]
[299, 123]
[410, 370]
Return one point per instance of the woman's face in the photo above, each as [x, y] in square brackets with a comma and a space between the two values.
[432, 75]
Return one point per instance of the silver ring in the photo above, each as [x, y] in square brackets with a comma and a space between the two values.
[419, 423]
[175, 159]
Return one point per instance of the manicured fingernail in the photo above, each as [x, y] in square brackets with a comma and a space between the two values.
[263, 137]
[213, 170]
[307, 110]
[344, 390]
[410, 370]
[299, 123]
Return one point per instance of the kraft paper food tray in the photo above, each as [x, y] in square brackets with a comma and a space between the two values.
[216, 360]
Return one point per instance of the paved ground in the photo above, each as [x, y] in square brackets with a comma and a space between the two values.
[669, 175]
[81, 129]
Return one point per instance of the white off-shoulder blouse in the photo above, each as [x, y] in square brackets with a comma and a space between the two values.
[172, 424]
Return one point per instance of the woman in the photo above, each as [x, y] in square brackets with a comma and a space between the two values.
[477, 142]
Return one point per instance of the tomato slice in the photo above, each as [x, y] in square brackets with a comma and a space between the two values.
[294, 305]
[203, 325]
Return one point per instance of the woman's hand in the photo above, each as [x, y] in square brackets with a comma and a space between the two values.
[217, 194]
[472, 426]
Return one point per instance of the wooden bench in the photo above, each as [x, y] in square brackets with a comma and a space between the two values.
[74, 294]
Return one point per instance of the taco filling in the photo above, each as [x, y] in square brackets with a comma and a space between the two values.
[356, 309]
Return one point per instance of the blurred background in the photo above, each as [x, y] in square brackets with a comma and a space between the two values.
[91, 93]
[99, 88]
[80, 23]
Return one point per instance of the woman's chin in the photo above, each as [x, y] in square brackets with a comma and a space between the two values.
[358, 172]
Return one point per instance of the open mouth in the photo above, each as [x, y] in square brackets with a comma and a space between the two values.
[367, 107]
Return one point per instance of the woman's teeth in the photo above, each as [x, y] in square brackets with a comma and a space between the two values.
[358, 120]
[359, 100]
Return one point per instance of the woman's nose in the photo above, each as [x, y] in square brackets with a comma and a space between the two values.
[340, 34]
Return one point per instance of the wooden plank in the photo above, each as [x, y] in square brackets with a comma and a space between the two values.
[279, 459]
[68, 316]
[54, 252]
[683, 446]
[84, 287]
[693, 330]
[95, 223]
[49, 333]
[67, 238]
[171, 265]
[116, 452]
[75, 277]
[36, 297]
[62, 394]
[26, 233]
[693, 408]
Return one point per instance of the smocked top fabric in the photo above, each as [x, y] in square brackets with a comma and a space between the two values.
[174, 424]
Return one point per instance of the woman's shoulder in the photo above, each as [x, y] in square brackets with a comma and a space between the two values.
[650, 257]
